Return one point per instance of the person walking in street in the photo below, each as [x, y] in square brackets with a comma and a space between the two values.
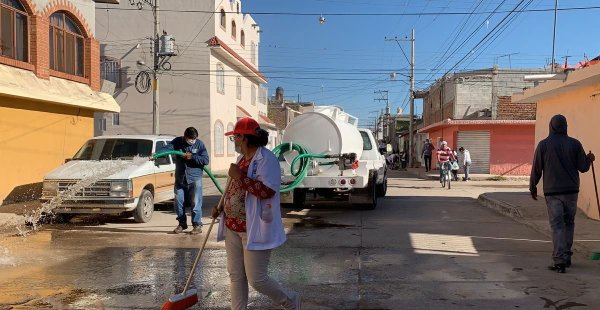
[466, 162]
[188, 178]
[444, 155]
[559, 159]
[251, 223]
[403, 159]
[428, 148]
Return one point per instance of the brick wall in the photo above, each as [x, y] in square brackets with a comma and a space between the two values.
[509, 110]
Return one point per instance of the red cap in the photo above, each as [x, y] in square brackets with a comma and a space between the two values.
[245, 126]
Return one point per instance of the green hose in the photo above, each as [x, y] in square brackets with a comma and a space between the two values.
[283, 148]
[212, 177]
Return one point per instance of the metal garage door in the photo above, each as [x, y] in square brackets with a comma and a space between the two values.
[478, 144]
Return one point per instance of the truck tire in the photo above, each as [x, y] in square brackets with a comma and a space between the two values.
[372, 193]
[382, 188]
[145, 208]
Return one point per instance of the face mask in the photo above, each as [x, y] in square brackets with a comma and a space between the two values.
[238, 149]
[190, 142]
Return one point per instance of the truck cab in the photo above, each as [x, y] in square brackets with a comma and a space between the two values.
[112, 175]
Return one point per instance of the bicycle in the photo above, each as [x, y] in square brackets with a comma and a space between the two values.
[445, 177]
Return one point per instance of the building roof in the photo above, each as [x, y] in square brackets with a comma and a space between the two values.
[19, 83]
[454, 122]
[219, 46]
[263, 119]
[574, 79]
[241, 112]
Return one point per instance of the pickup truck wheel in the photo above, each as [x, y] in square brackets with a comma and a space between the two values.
[382, 188]
[373, 195]
[145, 208]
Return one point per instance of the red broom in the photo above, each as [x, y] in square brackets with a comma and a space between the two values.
[189, 297]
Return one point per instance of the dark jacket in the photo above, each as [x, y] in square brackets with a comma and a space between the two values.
[560, 158]
[188, 170]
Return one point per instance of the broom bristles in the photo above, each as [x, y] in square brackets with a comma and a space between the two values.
[182, 301]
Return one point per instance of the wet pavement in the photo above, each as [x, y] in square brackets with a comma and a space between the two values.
[424, 247]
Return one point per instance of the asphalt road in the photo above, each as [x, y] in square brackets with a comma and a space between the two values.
[424, 247]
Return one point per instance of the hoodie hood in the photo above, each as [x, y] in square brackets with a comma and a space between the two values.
[558, 125]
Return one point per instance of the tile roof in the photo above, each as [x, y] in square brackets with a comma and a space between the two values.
[215, 41]
[265, 119]
[241, 112]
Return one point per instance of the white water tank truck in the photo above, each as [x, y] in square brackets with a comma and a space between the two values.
[324, 153]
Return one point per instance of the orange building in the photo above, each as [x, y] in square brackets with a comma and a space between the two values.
[576, 95]
[49, 89]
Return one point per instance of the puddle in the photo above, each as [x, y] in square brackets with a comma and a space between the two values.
[317, 222]
[132, 289]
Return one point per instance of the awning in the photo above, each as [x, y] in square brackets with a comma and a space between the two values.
[241, 112]
[454, 122]
[219, 47]
[19, 83]
[265, 121]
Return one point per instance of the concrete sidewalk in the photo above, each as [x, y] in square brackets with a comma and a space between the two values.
[519, 206]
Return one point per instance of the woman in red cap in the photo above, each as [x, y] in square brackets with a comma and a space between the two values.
[251, 224]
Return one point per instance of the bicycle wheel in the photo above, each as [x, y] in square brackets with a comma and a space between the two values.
[444, 177]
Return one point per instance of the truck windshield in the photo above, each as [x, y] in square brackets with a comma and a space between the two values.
[366, 141]
[104, 149]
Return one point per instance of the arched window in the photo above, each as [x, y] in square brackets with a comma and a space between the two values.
[13, 30]
[230, 144]
[220, 79]
[66, 45]
[223, 21]
[233, 30]
[242, 38]
[219, 136]
[253, 52]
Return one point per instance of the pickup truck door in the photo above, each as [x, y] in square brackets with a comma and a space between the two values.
[164, 176]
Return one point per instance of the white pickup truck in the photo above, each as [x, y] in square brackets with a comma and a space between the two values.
[354, 169]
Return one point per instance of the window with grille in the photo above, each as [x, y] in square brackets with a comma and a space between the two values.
[14, 33]
[253, 52]
[116, 120]
[219, 137]
[220, 79]
[66, 45]
[110, 69]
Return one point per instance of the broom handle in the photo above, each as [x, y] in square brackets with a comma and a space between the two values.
[595, 187]
[189, 280]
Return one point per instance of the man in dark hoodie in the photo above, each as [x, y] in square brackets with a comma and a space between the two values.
[560, 158]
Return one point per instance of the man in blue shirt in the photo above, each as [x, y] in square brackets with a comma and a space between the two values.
[188, 178]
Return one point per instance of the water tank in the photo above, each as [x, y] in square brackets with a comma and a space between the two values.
[321, 134]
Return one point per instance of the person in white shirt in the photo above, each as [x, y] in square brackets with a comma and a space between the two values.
[466, 162]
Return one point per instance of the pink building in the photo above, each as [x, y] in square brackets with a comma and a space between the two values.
[499, 147]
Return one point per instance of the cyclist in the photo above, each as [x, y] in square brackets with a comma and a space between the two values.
[444, 154]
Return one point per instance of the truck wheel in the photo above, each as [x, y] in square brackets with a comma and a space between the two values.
[372, 194]
[145, 208]
[382, 188]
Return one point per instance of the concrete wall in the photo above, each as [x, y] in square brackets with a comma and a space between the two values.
[37, 138]
[473, 93]
[580, 107]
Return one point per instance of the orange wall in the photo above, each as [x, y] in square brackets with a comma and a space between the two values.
[581, 108]
[36, 138]
[511, 147]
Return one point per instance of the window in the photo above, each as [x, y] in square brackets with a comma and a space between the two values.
[253, 52]
[230, 144]
[219, 138]
[220, 79]
[366, 141]
[223, 21]
[110, 70]
[242, 38]
[238, 88]
[253, 95]
[66, 45]
[116, 119]
[102, 124]
[233, 30]
[238, 8]
[102, 149]
[14, 32]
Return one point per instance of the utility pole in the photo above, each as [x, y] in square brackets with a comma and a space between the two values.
[411, 146]
[554, 35]
[162, 50]
[385, 117]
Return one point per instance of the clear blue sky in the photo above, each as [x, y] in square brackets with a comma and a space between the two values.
[346, 59]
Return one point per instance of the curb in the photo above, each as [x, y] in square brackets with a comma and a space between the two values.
[514, 213]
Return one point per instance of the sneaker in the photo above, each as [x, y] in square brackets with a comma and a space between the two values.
[196, 230]
[560, 268]
[179, 229]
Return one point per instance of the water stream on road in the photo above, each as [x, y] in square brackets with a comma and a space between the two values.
[31, 221]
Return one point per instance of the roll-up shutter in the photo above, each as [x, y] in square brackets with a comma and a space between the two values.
[478, 144]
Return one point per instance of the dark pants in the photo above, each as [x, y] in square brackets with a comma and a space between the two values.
[427, 159]
[561, 213]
